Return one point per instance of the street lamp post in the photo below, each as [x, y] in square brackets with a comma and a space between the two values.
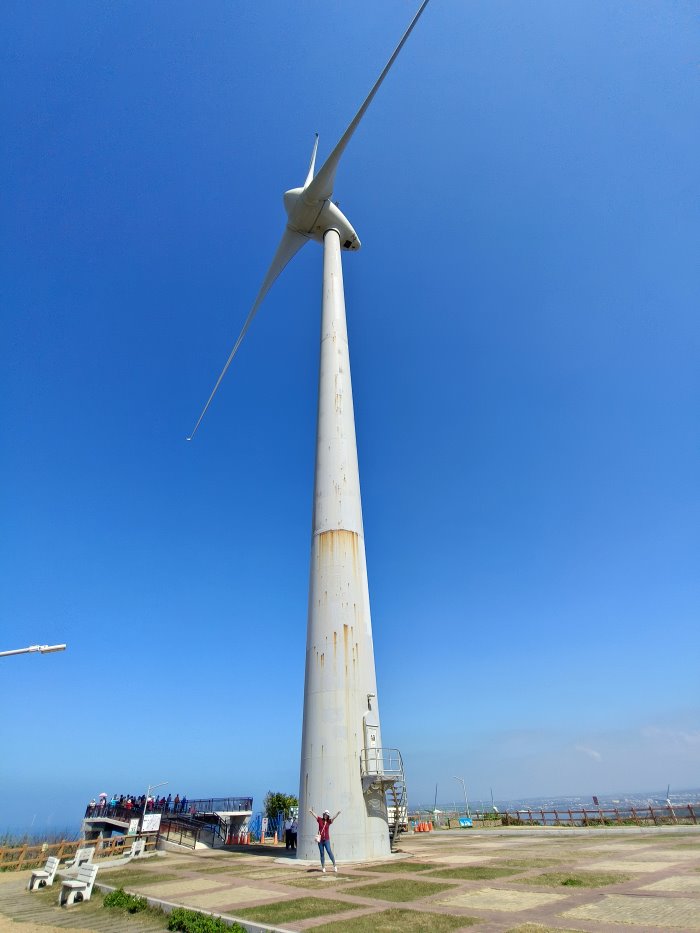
[466, 799]
[42, 649]
[148, 794]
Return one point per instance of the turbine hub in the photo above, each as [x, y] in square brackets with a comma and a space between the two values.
[316, 218]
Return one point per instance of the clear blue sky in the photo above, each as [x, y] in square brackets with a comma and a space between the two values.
[524, 333]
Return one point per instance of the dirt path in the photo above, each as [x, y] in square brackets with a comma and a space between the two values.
[9, 926]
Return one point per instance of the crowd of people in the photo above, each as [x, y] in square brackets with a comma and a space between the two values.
[104, 804]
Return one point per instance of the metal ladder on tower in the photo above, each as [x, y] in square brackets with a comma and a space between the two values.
[383, 768]
[397, 806]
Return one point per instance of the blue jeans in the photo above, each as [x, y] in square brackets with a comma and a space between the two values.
[325, 844]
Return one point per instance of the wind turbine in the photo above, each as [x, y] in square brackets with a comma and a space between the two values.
[343, 764]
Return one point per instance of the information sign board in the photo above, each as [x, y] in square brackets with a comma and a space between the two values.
[151, 823]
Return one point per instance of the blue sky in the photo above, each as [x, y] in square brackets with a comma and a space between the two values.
[524, 338]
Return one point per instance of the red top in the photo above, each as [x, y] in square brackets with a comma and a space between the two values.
[324, 828]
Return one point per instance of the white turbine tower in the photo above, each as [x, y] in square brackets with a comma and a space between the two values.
[343, 764]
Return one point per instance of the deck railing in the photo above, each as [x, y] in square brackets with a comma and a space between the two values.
[221, 805]
[116, 812]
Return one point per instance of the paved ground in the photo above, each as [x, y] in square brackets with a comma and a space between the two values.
[495, 881]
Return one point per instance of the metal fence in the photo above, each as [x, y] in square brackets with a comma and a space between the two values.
[275, 824]
[583, 816]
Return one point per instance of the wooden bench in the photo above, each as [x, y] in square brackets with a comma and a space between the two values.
[43, 877]
[79, 889]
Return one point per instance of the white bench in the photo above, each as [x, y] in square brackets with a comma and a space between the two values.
[79, 889]
[81, 857]
[43, 877]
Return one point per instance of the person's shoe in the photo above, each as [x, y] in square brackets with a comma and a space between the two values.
[323, 870]
[335, 869]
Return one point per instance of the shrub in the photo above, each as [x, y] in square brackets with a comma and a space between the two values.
[120, 900]
[189, 921]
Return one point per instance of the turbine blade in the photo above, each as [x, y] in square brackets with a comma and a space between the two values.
[289, 246]
[312, 164]
[321, 188]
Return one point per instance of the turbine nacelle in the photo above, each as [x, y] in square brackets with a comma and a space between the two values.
[315, 218]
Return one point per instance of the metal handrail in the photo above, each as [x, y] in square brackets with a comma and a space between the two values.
[221, 804]
[180, 831]
[381, 761]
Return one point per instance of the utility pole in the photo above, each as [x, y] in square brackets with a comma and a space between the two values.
[466, 799]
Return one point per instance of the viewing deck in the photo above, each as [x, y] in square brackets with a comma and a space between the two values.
[121, 814]
[211, 817]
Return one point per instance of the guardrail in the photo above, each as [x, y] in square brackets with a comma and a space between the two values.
[386, 761]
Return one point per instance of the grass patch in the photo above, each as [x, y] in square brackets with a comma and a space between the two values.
[219, 857]
[49, 896]
[264, 874]
[300, 909]
[400, 889]
[316, 881]
[529, 862]
[389, 921]
[405, 865]
[223, 869]
[539, 928]
[132, 878]
[649, 837]
[474, 873]
[93, 916]
[579, 879]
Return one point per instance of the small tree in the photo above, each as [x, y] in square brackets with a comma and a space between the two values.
[277, 802]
